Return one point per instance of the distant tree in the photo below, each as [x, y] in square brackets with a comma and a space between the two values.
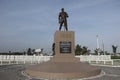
[78, 50]
[33, 51]
[114, 49]
[96, 51]
[81, 50]
[101, 52]
[9, 52]
[85, 50]
[29, 51]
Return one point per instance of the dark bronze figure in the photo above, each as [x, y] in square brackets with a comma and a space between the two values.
[53, 49]
[63, 19]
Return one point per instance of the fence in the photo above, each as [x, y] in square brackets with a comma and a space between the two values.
[23, 59]
[95, 58]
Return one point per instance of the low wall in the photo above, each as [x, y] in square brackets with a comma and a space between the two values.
[93, 57]
[16, 59]
[23, 59]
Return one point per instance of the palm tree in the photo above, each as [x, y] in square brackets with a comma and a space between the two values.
[114, 49]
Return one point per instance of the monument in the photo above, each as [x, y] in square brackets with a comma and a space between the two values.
[63, 65]
[63, 19]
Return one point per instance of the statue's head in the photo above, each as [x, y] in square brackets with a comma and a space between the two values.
[62, 9]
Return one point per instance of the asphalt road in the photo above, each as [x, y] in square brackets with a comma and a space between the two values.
[111, 73]
[13, 72]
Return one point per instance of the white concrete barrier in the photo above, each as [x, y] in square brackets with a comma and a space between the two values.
[22, 59]
[96, 58]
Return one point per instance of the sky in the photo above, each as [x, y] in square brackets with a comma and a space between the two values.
[32, 23]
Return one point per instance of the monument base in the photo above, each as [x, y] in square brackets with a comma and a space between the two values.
[63, 65]
[64, 59]
[62, 70]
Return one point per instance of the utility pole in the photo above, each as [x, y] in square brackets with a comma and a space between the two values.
[103, 49]
[98, 48]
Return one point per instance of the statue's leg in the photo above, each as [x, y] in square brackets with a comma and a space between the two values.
[60, 25]
[59, 28]
[66, 28]
[65, 25]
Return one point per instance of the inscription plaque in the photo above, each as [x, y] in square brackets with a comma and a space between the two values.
[65, 47]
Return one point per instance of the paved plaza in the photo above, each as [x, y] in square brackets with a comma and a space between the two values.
[15, 72]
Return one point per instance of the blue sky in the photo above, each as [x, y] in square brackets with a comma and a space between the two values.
[32, 23]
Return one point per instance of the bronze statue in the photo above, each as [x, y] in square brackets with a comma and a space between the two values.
[53, 49]
[63, 19]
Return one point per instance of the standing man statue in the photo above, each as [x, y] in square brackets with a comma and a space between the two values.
[63, 19]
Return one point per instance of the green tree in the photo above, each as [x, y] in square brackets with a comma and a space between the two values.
[85, 50]
[96, 51]
[33, 51]
[29, 51]
[81, 50]
[78, 49]
[114, 49]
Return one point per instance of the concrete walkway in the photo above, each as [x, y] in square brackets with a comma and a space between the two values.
[13, 72]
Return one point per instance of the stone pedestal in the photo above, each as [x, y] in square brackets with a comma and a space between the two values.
[64, 47]
[64, 43]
